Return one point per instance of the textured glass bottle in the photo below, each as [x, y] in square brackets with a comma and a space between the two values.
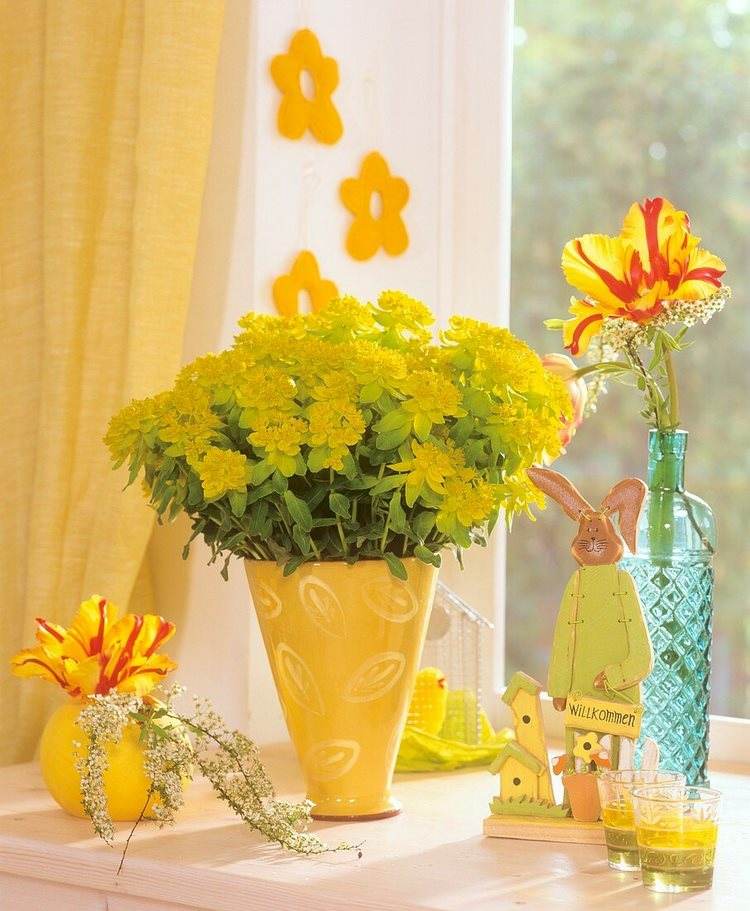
[674, 576]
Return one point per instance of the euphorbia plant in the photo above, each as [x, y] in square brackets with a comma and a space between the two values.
[347, 434]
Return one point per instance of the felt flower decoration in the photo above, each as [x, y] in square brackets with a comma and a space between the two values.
[297, 112]
[588, 748]
[653, 260]
[369, 231]
[99, 653]
[303, 276]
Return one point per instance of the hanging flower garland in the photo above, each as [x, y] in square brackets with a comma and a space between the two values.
[370, 231]
[297, 113]
[303, 276]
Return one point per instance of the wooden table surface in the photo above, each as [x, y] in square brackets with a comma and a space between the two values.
[431, 857]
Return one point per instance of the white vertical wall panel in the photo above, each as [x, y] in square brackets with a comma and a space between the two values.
[425, 83]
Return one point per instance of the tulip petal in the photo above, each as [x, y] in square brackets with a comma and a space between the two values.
[90, 623]
[144, 675]
[32, 662]
[595, 264]
[702, 277]
[657, 231]
[578, 332]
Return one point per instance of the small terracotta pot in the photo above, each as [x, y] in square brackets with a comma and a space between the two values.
[583, 795]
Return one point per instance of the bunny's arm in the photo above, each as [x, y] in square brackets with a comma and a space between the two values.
[560, 667]
[637, 665]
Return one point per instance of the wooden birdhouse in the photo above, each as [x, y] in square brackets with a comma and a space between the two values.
[522, 696]
[519, 772]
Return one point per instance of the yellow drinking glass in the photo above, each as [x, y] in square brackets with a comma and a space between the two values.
[676, 828]
[617, 811]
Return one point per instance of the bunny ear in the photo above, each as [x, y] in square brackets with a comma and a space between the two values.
[626, 497]
[561, 490]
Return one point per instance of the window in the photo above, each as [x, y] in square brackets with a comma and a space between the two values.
[612, 102]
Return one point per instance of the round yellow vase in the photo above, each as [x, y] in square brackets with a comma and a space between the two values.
[125, 781]
[344, 643]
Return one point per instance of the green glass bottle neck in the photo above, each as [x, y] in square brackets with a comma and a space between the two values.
[666, 459]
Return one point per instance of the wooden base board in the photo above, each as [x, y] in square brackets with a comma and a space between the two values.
[535, 828]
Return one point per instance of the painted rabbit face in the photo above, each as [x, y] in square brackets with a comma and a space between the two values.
[597, 542]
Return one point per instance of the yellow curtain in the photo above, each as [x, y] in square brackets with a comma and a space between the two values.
[105, 126]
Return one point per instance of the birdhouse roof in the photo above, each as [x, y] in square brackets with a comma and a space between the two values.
[521, 681]
[513, 750]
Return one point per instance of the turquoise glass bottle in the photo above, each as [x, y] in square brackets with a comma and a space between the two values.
[674, 575]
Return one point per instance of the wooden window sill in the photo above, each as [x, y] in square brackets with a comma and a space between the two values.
[431, 857]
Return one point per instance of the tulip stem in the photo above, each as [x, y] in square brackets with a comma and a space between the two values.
[674, 399]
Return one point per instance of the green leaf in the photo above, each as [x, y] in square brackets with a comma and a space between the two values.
[396, 514]
[317, 458]
[301, 539]
[260, 492]
[299, 511]
[422, 427]
[477, 402]
[423, 523]
[396, 567]
[370, 393]
[391, 482]
[238, 502]
[292, 564]
[339, 505]
[392, 421]
[279, 482]
[262, 471]
[426, 555]
[392, 438]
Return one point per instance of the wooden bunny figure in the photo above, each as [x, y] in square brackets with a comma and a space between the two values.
[601, 647]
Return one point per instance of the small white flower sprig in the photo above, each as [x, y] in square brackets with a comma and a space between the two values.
[621, 334]
[175, 745]
[622, 338]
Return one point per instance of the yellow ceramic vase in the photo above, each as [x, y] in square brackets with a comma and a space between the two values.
[125, 780]
[344, 643]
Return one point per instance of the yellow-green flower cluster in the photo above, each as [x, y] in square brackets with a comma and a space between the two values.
[346, 434]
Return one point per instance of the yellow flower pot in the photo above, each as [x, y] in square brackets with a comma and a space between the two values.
[125, 781]
[344, 643]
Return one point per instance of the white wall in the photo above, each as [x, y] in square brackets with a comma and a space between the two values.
[426, 83]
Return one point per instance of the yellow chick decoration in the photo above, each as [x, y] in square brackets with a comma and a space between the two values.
[429, 702]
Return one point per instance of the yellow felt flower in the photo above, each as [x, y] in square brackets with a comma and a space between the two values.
[369, 231]
[297, 112]
[99, 652]
[222, 470]
[303, 276]
[587, 746]
[280, 443]
[654, 259]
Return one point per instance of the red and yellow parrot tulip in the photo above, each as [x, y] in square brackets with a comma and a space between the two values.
[99, 652]
[654, 259]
